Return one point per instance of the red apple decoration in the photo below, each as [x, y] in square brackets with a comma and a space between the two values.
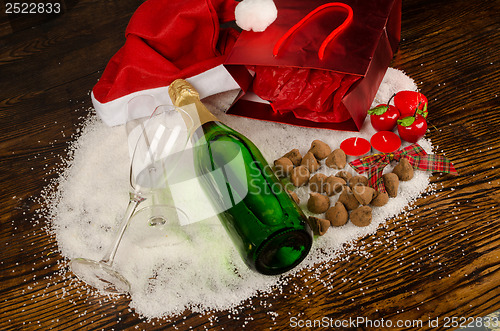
[412, 128]
[410, 102]
[384, 117]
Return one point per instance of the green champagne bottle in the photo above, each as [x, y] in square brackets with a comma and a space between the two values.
[267, 227]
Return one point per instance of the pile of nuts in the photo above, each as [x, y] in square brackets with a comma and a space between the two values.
[356, 198]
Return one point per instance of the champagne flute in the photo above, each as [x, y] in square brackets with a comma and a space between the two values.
[158, 149]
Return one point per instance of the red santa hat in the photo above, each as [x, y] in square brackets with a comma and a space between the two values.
[170, 39]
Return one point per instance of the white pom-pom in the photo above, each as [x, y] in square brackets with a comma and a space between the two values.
[255, 15]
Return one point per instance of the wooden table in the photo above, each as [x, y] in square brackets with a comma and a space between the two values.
[445, 259]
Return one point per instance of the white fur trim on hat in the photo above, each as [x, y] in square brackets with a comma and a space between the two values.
[255, 15]
[210, 82]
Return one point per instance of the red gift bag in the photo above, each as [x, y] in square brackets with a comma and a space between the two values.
[318, 65]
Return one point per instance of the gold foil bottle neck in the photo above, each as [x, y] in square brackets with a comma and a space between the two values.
[181, 91]
[184, 94]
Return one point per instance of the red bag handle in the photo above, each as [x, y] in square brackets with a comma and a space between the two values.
[329, 38]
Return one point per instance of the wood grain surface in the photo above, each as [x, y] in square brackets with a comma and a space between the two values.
[440, 259]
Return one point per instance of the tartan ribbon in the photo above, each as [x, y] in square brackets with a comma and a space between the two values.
[374, 164]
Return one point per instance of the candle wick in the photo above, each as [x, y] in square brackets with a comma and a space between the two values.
[383, 137]
[355, 141]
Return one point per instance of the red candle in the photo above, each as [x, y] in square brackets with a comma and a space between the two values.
[355, 148]
[385, 142]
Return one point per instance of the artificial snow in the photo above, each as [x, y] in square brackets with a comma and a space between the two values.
[197, 268]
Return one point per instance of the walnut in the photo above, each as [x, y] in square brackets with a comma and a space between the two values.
[300, 176]
[364, 194]
[358, 180]
[344, 175]
[379, 199]
[404, 170]
[391, 182]
[320, 149]
[317, 182]
[336, 160]
[333, 185]
[319, 226]
[348, 199]
[337, 215]
[294, 156]
[283, 167]
[361, 216]
[318, 203]
[310, 162]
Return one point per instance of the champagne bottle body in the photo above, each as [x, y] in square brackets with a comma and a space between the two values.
[267, 227]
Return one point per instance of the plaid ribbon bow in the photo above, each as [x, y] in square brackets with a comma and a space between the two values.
[374, 164]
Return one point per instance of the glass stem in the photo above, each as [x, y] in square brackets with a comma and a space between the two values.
[134, 201]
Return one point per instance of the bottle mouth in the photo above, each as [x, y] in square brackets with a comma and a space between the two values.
[283, 251]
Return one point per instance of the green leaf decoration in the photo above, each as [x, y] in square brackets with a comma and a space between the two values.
[407, 121]
[378, 110]
[423, 111]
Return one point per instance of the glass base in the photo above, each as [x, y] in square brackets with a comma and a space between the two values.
[158, 225]
[100, 275]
